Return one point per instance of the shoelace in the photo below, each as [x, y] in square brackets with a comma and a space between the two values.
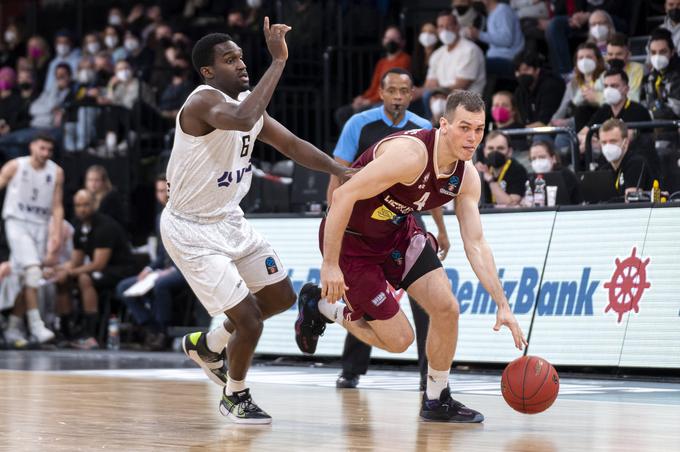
[247, 406]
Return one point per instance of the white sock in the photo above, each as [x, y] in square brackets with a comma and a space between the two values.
[217, 339]
[234, 385]
[436, 382]
[33, 316]
[332, 311]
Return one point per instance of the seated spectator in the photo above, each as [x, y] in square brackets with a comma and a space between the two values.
[631, 170]
[544, 159]
[122, 91]
[438, 98]
[504, 37]
[91, 45]
[662, 86]
[538, 93]
[80, 124]
[104, 242]
[140, 56]
[427, 43]
[600, 29]
[504, 178]
[113, 43]
[13, 45]
[506, 116]
[37, 60]
[457, 64]
[672, 20]
[67, 53]
[393, 43]
[154, 310]
[584, 93]
[47, 112]
[618, 55]
[116, 18]
[466, 14]
[173, 96]
[137, 19]
[15, 103]
[103, 69]
[107, 200]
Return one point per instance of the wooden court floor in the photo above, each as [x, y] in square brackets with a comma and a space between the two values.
[42, 411]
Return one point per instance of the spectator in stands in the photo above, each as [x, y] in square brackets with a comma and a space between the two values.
[107, 200]
[466, 14]
[631, 169]
[104, 242]
[153, 311]
[427, 43]
[103, 69]
[506, 116]
[393, 44]
[457, 64]
[113, 43]
[153, 20]
[173, 96]
[438, 98]
[504, 37]
[662, 87]
[504, 178]
[140, 57]
[16, 97]
[66, 53]
[672, 20]
[47, 112]
[37, 58]
[80, 123]
[116, 18]
[122, 92]
[13, 45]
[600, 29]
[136, 19]
[538, 93]
[544, 159]
[91, 45]
[584, 93]
[162, 46]
[618, 55]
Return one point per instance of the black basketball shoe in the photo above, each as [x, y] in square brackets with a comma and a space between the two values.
[310, 323]
[240, 408]
[213, 364]
[445, 409]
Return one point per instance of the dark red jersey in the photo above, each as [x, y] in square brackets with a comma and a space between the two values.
[389, 212]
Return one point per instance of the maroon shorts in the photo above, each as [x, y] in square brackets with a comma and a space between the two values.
[368, 265]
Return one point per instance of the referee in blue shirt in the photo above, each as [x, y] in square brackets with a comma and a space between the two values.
[359, 133]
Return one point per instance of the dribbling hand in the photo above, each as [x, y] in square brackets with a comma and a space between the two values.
[276, 39]
[505, 317]
[332, 283]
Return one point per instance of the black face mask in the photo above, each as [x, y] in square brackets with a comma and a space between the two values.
[164, 42]
[392, 47]
[616, 63]
[674, 14]
[525, 80]
[496, 160]
[461, 10]
[25, 86]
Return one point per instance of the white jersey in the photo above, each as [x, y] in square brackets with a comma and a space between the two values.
[208, 176]
[30, 193]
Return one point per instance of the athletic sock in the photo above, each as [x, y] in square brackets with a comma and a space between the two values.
[33, 316]
[15, 322]
[234, 386]
[217, 339]
[437, 380]
[332, 311]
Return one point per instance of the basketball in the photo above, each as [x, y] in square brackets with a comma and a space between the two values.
[530, 384]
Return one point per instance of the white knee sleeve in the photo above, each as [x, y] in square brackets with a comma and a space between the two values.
[32, 277]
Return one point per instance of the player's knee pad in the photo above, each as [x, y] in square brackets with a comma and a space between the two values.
[32, 277]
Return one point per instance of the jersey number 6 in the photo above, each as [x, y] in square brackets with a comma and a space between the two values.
[246, 145]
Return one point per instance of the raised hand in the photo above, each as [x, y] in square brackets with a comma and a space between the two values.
[276, 39]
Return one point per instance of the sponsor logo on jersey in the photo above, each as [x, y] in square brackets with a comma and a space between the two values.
[401, 208]
[42, 211]
[451, 186]
[227, 177]
[270, 263]
[379, 299]
[382, 213]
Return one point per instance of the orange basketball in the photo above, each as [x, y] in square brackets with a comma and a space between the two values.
[530, 384]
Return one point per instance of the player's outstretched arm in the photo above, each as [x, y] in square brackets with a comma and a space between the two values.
[399, 162]
[299, 150]
[479, 253]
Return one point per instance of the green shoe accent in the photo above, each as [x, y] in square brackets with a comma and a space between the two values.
[193, 337]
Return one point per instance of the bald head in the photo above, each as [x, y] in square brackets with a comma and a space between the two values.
[83, 203]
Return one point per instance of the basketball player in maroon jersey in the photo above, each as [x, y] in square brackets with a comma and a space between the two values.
[370, 237]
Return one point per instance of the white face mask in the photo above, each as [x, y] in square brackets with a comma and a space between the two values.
[63, 49]
[586, 65]
[115, 19]
[85, 75]
[438, 107]
[10, 36]
[254, 3]
[111, 41]
[541, 166]
[599, 32]
[93, 47]
[447, 37]
[612, 152]
[131, 45]
[427, 39]
[612, 95]
[123, 75]
[659, 62]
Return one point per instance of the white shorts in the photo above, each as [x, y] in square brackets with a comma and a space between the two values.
[223, 261]
[27, 242]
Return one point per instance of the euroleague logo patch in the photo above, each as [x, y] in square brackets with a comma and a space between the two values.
[270, 263]
[451, 186]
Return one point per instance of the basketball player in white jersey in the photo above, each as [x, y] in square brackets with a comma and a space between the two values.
[230, 267]
[33, 214]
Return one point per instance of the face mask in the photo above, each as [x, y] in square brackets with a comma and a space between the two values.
[447, 37]
[35, 52]
[123, 75]
[673, 14]
[586, 65]
[131, 45]
[115, 19]
[461, 10]
[599, 32]
[616, 63]
[438, 106]
[525, 80]
[541, 166]
[111, 41]
[25, 86]
[85, 75]
[392, 47]
[63, 49]
[612, 95]
[6, 85]
[500, 114]
[93, 47]
[612, 152]
[10, 36]
[427, 39]
[659, 62]
[254, 4]
[496, 160]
